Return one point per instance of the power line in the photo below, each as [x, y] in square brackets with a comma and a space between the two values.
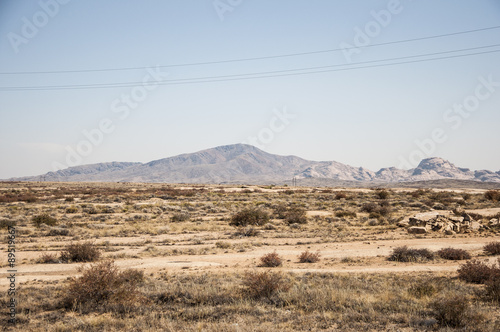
[247, 59]
[268, 74]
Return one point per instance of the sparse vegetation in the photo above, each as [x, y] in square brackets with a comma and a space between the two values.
[264, 284]
[80, 252]
[453, 254]
[475, 271]
[309, 257]
[492, 248]
[271, 260]
[405, 254]
[250, 216]
[44, 219]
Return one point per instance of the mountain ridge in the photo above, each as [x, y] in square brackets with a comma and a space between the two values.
[242, 163]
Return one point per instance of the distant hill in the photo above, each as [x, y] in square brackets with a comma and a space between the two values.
[241, 163]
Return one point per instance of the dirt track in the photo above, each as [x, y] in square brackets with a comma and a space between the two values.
[363, 257]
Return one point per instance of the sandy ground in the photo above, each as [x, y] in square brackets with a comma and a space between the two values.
[364, 257]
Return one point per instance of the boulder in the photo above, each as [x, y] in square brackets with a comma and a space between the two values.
[417, 222]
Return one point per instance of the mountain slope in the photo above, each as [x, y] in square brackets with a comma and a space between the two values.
[241, 163]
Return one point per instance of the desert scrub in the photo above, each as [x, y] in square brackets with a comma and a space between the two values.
[264, 284]
[492, 248]
[309, 257]
[44, 219]
[296, 215]
[475, 271]
[101, 286]
[454, 311]
[405, 254]
[271, 260]
[250, 216]
[453, 254]
[80, 252]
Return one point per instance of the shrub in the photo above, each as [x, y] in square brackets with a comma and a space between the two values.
[246, 232]
[493, 195]
[271, 260]
[405, 254]
[492, 248]
[180, 217]
[264, 284]
[6, 223]
[451, 311]
[382, 194]
[48, 259]
[474, 271]
[102, 284]
[80, 252]
[339, 195]
[421, 290]
[44, 219]
[280, 210]
[250, 216]
[296, 215]
[309, 257]
[493, 285]
[223, 245]
[453, 254]
[72, 209]
[343, 214]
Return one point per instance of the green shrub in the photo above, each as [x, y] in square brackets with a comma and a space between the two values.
[250, 216]
[405, 254]
[80, 252]
[44, 219]
[453, 254]
[264, 284]
[271, 260]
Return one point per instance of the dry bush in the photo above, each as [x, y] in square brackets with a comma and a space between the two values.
[493, 195]
[309, 257]
[250, 216]
[6, 223]
[340, 194]
[344, 214]
[492, 287]
[102, 285]
[271, 260]
[382, 194]
[48, 259]
[279, 210]
[180, 217]
[453, 254]
[452, 311]
[80, 252]
[492, 248]
[246, 232]
[405, 254]
[423, 289]
[264, 284]
[223, 245]
[474, 271]
[44, 219]
[296, 215]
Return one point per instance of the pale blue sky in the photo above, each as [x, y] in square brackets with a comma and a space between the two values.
[367, 117]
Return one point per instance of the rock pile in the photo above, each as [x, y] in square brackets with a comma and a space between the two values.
[449, 225]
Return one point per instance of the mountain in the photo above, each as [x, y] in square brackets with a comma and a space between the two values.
[241, 163]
